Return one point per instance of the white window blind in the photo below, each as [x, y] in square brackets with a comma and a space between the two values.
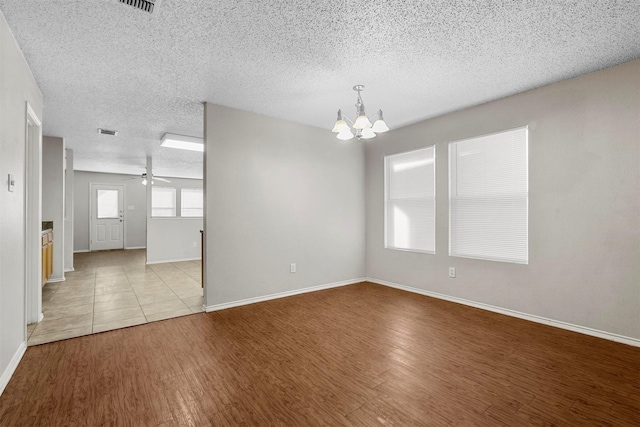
[410, 204]
[163, 201]
[191, 202]
[489, 197]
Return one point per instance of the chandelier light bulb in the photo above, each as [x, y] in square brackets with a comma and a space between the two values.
[345, 135]
[340, 124]
[380, 126]
[362, 122]
[368, 133]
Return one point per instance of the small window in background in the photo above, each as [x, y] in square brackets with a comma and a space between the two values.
[489, 197]
[410, 202]
[163, 202]
[107, 204]
[191, 202]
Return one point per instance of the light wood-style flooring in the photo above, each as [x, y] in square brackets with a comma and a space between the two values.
[359, 355]
[115, 289]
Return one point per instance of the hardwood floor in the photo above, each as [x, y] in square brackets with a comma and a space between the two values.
[358, 355]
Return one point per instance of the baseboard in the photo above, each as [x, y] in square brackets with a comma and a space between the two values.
[81, 251]
[66, 270]
[13, 364]
[55, 280]
[135, 247]
[513, 313]
[173, 260]
[254, 300]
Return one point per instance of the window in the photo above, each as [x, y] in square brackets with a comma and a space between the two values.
[191, 202]
[163, 201]
[107, 202]
[489, 197]
[410, 204]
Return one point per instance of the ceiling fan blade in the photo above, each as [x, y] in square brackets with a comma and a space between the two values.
[160, 179]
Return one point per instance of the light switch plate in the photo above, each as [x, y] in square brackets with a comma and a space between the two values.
[11, 182]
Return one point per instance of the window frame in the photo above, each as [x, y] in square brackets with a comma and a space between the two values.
[201, 190]
[386, 201]
[511, 260]
[175, 203]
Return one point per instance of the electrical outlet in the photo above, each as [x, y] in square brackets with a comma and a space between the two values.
[452, 272]
[292, 267]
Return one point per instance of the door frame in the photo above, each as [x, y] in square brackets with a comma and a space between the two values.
[124, 210]
[33, 218]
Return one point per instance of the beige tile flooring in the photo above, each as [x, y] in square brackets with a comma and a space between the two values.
[115, 289]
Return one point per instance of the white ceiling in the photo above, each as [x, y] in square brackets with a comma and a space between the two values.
[102, 63]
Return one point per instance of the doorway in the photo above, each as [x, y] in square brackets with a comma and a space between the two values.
[33, 217]
[107, 217]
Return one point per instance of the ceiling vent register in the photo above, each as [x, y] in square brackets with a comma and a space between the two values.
[145, 5]
[107, 132]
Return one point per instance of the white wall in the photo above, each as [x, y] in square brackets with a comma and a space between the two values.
[135, 227]
[279, 193]
[584, 208]
[69, 190]
[53, 198]
[174, 239]
[16, 85]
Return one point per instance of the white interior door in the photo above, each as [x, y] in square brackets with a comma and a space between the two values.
[107, 217]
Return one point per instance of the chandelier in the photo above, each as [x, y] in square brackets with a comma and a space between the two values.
[362, 128]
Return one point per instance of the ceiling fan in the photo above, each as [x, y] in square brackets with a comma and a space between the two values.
[153, 179]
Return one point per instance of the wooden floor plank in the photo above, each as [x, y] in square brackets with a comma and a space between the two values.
[359, 355]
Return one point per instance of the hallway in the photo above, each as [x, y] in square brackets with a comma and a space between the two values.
[115, 289]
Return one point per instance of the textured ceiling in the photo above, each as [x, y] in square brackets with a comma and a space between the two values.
[101, 63]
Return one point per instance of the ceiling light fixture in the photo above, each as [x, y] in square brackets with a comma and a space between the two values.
[182, 142]
[362, 127]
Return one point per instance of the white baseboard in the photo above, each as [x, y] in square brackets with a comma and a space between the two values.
[533, 318]
[135, 247]
[254, 300]
[66, 270]
[79, 251]
[173, 260]
[13, 364]
[55, 280]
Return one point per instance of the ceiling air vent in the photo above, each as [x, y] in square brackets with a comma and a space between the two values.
[148, 6]
[107, 132]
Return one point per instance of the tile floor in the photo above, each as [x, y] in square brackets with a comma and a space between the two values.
[115, 289]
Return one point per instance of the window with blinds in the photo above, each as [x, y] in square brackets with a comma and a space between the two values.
[163, 202]
[489, 197]
[191, 202]
[410, 203]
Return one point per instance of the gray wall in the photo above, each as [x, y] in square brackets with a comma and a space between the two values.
[584, 217]
[16, 85]
[53, 201]
[174, 239]
[279, 193]
[135, 220]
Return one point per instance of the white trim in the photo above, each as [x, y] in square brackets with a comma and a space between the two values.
[253, 300]
[173, 260]
[135, 247]
[66, 270]
[79, 251]
[33, 217]
[55, 280]
[635, 342]
[15, 360]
